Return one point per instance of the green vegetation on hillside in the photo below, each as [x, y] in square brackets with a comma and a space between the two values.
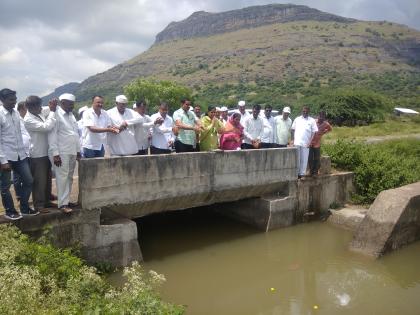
[296, 59]
[377, 167]
[153, 92]
[36, 278]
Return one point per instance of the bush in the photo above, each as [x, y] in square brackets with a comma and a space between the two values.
[377, 167]
[350, 107]
[153, 92]
[37, 278]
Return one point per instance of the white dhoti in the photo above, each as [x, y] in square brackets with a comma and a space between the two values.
[64, 178]
[303, 153]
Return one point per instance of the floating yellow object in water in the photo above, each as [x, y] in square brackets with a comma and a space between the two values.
[272, 289]
[315, 307]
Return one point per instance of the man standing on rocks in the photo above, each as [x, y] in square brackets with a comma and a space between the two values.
[303, 130]
[64, 149]
[315, 147]
[13, 158]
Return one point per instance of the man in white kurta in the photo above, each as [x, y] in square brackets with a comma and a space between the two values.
[143, 133]
[269, 134]
[283, 127]
[64, 149]
[303, 130]
[123, 143]
[38, 127]
[162, 135]
[243, 112]
[96, 125]
[253, 129]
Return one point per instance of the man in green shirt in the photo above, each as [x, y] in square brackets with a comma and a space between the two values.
[187, 126]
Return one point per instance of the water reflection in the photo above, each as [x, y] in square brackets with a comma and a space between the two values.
[217, 266]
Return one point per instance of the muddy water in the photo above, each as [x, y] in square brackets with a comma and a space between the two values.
[217, 266]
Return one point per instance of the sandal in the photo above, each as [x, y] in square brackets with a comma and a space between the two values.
[66, 209]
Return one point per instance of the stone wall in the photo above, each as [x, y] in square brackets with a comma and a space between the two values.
[139, 185]
[393, 220]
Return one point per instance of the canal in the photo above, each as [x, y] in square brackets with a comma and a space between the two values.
[217, 266]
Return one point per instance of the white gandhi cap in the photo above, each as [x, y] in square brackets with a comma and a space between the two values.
[121, 99]
[68, 97]
[241, 103]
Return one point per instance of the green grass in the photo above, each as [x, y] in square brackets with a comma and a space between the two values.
[390, 127]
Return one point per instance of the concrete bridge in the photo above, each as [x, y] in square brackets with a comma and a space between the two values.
[258, 187]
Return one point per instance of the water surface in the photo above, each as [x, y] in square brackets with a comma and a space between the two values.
[218, 266]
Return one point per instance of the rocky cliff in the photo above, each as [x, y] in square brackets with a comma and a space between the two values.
[205, 24]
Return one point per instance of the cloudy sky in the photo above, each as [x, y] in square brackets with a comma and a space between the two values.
[47, 43]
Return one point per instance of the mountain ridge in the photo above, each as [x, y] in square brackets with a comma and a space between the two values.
[203, 23]
[306, 49]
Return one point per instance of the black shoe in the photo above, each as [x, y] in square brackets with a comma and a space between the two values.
[13, 216]
[299, 176]
[30, 212]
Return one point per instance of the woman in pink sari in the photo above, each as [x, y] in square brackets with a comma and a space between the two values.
[233, 134]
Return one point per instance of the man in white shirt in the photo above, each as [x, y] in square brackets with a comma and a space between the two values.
[38, 127]
[162, 135]
[64, 149]
[143, 133]
[303, 130]
[13, 157]
[124, 142]
[17, 182]
[269, 134]
[96, 124]
[80, 126]
[283, 127]
[253, 130]
[244, 114]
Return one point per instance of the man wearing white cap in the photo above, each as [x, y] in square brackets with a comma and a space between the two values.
[244, 114]
[124, 142]
[283, 125]
[303, 130]
[96, 124]
[224, 115]
[64, 149]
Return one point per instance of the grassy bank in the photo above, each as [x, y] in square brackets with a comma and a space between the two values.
[36, 278]
[389, 127]
[377, 167]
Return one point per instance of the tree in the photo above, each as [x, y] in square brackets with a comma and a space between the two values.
[153, 92]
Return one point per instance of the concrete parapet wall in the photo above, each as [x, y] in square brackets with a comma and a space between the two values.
[317, 193]
[139, 185]
[392, 221]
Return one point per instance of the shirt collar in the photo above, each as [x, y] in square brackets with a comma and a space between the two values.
[5, 111]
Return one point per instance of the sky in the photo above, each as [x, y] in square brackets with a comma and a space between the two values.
[47, 43]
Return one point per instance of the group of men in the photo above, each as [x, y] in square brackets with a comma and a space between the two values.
[55, 140]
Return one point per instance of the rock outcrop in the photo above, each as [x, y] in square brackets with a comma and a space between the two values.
[204, 23]
[393, 220]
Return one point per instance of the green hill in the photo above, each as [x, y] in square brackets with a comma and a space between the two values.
[295, 50]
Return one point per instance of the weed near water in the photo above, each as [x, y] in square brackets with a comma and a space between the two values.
[377, 167]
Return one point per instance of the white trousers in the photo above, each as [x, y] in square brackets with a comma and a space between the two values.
[64, 178]
[303, 153]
